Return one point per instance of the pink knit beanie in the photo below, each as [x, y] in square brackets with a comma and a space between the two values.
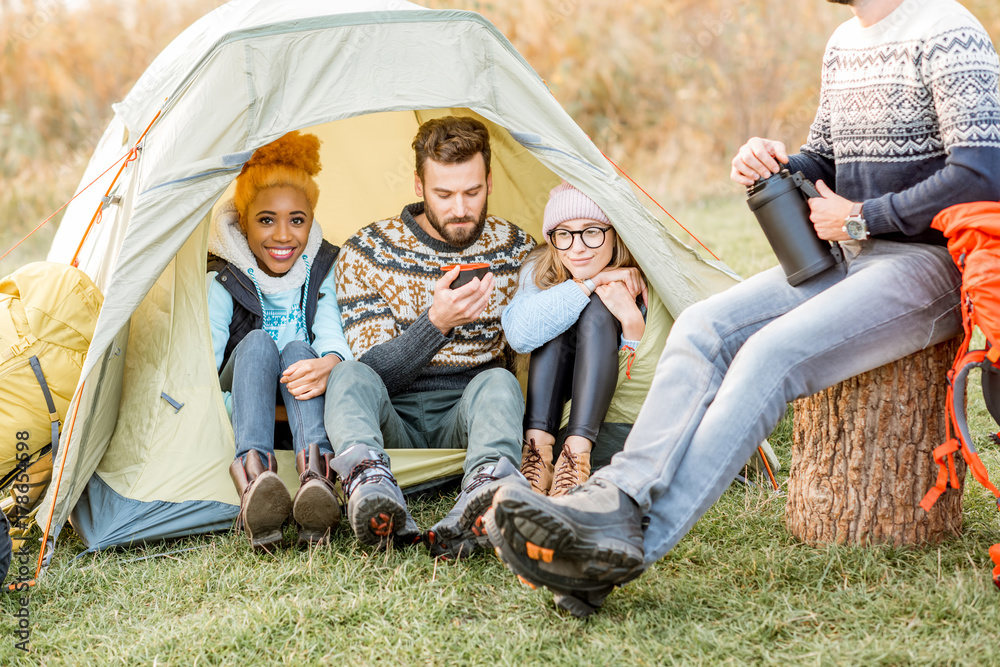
[568, 203]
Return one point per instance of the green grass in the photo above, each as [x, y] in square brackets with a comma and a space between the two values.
[737, 590]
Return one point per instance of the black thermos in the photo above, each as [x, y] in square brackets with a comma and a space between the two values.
[779, 203]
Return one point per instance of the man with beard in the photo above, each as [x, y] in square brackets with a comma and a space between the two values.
[908, 124]
[433, 366]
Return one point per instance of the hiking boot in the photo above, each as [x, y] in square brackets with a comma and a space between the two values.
[536, 466]
[316, 507]
[264, 499]
[596, 526]
[461, 531]
[376, 508]
[571, 471]
[572, 588]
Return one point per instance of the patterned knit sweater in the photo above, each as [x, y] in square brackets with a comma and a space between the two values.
[385, 286]
[909, 117]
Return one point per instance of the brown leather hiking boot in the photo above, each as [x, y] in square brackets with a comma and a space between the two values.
[536, 466]
[264, 499]
[571, 471]
[316, 508]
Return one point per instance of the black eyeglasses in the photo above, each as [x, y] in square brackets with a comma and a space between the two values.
[592, 237]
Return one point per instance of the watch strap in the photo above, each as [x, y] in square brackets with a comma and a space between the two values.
[589, 284]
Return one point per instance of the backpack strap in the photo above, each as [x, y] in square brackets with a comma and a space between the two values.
[962, 441]
[944, 455]
[53, 415]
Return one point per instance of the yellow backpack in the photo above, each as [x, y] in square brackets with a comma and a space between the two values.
[48, 313]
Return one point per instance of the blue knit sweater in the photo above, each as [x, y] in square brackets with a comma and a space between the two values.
[909, 118]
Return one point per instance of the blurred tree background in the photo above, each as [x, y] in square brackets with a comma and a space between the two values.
[669, 89]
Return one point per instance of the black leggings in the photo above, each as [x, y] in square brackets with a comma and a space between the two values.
[582, 364]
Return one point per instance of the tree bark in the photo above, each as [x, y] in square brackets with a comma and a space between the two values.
[862, 456]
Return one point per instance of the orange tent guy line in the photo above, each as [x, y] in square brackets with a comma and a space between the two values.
[774, 482]
[652, 199]
[128, 157]
[131, 156]
[62, 466]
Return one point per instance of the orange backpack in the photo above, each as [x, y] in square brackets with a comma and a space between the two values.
[973, 232]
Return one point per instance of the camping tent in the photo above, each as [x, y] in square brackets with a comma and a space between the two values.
[362, 75]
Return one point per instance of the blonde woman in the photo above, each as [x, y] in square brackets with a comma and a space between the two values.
[580, 305]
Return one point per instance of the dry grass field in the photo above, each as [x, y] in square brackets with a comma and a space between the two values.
[667, 88]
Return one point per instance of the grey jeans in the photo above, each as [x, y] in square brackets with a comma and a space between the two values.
[484, 418]
[734, 360]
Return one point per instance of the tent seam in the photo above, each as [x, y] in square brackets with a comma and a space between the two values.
[251, 97]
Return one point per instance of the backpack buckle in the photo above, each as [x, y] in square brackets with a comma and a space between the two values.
[18, 347]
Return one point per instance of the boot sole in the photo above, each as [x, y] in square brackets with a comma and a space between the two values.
[317, 512]
[579, 596]
[543, 533]
[374, 519]
[267, 507]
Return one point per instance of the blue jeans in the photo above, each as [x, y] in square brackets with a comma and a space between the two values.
[734, 360]
[252, 374]
[484, 418]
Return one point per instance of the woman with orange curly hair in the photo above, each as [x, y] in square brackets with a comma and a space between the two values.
[277, 334]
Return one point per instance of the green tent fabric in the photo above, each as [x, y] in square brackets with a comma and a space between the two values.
[362, 74]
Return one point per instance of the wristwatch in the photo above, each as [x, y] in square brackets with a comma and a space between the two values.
[588, 283]
[855, 224]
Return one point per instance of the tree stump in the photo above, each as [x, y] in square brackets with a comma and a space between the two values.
[862, 456]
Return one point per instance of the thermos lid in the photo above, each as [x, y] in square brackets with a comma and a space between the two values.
[767, 189]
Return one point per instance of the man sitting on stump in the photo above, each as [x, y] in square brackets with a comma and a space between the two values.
[908, 124]
[432, 359]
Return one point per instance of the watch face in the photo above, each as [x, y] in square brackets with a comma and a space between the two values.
[857, 229]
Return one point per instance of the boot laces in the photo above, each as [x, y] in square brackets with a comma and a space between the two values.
[567, 476]
[480, 479]
[369, 470]
[531, 466]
